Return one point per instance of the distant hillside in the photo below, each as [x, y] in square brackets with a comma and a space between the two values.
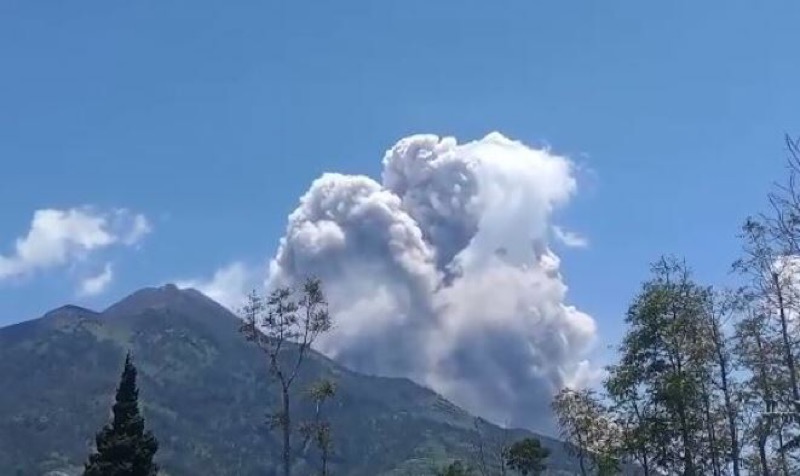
[205, 395]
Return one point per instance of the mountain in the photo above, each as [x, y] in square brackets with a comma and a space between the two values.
[205, 394]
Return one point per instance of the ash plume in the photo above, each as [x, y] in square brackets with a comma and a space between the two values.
[442, 273]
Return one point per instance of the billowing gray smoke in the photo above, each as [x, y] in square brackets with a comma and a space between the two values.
[442, 273]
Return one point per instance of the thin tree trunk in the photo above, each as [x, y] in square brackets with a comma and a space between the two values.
[481, 448]
[645, 464]
[782, 454]
[786, 341]
[688, 457]
[667, 460]
[789, 363]
[767, 395]
[643, 447]
[730, 411]
[287, 428]
[762, 454]
[712, 435]
[581, 453]
[503, 451]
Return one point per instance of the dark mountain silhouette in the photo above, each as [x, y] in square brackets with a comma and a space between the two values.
[205, 395]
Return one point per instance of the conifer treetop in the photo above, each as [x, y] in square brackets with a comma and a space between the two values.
[124, 448]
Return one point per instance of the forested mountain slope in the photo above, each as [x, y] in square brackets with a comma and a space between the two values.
[204, 393]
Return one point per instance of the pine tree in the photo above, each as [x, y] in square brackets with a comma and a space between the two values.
[124, 448]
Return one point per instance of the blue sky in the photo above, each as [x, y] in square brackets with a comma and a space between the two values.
[212, 118]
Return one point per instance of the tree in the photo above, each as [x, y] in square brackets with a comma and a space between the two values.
[772, 261]
[663, 381]
[758, 353]
[771, 265]
[490, 454]
[320, 429]
[633, 412]
[784, 221]
[124, 448]
[772, 285]
[456, 468]
[284, 326]
[587, 430]
[527, 456]
[480, 447]
[721, 309]
[706, 382]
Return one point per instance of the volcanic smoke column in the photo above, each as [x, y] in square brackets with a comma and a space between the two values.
[442, 273]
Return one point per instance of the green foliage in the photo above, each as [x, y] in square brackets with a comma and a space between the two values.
[319, 429]
[288, 320]
[527, 456]
[663, 378]
[456, 468]
[124, 448]
[607, 464]
[206, 394]
[587, 429]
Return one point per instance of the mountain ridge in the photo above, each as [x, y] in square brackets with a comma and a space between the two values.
[204, 392]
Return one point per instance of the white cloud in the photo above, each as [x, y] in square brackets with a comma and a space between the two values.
[228, 286]
[59, 237]
[570, 238]
[139, 229]
[442, 272]
[98, 283]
